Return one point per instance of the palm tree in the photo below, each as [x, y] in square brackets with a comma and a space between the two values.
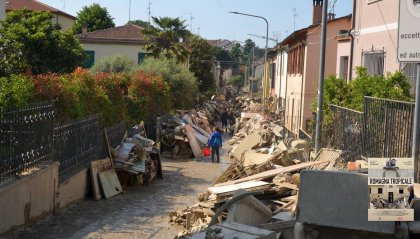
[167, 37]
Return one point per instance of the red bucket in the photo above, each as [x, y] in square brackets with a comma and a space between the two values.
[206, 152]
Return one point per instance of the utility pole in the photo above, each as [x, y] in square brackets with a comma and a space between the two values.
[252, 71]
[319, 109]
[149, 10]
[415, 148]
[129, 10]
[294, 19]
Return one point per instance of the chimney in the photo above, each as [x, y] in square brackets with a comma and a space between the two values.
[331, 16]
[84, 27]
[317, 12]
[2, 9]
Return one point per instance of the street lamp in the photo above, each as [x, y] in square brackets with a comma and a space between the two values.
[266, 47]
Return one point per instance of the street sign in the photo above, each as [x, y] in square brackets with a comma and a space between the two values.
[409, 31]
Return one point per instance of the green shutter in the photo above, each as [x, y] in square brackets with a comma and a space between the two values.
[90, 60]
[140, 57]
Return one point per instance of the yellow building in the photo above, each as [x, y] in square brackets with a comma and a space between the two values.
[65, 20]
[127, 40]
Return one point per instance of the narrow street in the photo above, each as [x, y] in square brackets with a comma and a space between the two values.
[140, 213]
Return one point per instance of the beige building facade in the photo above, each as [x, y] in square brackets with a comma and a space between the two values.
[303, 63]
[126, 40]
[65, 20]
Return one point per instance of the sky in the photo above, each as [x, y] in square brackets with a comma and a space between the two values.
[211, 18]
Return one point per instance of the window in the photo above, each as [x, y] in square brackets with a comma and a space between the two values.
[344, 67]
[273, 75]
[90, 60]
[374, 62]
[379, 190]
[401, 191]
[296, 60]
[410, 70]
[140, 57]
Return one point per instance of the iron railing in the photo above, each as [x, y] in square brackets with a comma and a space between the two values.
[76, 143]
[26, 138]
[384, 129]
[388, 128]
[345, 132]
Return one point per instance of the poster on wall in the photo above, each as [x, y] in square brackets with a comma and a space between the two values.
[391, 191]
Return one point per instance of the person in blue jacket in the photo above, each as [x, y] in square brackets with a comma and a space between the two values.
[215, 143]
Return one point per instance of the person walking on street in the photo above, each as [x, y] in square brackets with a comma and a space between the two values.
[215, 143]
[224, 118]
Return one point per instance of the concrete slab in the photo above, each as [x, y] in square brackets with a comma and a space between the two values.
[247, 143]
[252, 158]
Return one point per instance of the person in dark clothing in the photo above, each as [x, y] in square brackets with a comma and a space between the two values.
[231, 118]
[224, 119]
[410, 189]
[215, 143]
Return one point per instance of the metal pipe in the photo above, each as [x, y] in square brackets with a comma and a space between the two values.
[321, 78]
[415, 148]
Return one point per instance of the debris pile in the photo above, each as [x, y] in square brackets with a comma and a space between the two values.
[135, 161]
[263, 177]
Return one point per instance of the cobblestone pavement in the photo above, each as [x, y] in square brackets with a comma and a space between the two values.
[141, 212]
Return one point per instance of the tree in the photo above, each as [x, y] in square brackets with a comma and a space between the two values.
[166, 38]
[236, 54]
[248, 47]
[29, 41]
[182, 83]
[223, 56]
[201, 63]
[140, 23]
[96, 18]
[394, 86]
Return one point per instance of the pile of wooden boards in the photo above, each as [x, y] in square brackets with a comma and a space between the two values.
[186, 135]
[134, 161]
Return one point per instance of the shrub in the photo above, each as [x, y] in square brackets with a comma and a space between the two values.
[182, 83]
[113, 64]
[15, 91]
[149, 96]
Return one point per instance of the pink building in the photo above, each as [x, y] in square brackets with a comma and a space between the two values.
[375, 34]
[303, 65]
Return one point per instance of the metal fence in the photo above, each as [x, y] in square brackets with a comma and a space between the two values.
[29, 138]
[345, 132]
[26, 138]
[76, 143]
[388, 128]
[115, 134]
[384, 129]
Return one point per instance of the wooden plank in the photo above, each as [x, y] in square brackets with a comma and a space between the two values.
[109, 183]
[288, 199]
[195, 146]
[273, 173]
[287, 185]
[96, 167]
[233, 188]
[109, 147]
